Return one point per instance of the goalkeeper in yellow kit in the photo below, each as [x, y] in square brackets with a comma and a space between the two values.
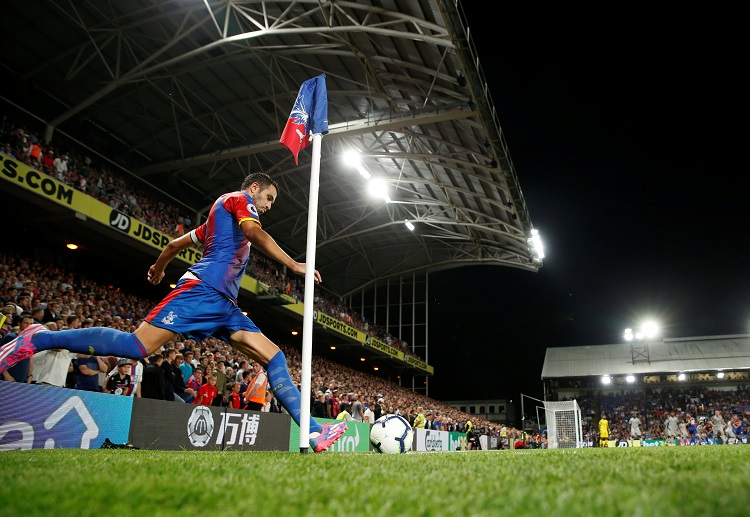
[603, 431]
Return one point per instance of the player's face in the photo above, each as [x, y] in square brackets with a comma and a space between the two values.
[263, 199]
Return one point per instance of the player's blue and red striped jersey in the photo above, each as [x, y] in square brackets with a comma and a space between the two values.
[226, 251]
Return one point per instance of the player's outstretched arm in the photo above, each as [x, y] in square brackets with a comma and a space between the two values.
[261, 240]
[156, 271]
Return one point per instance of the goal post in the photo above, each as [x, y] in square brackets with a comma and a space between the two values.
[564, 426]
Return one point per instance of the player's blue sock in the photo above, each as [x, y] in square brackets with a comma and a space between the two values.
[92, 341]
[285, 390]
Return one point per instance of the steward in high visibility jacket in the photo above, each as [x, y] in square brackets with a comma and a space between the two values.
[255, 394]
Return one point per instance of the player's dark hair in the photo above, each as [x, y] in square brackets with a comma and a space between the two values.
[263, 179]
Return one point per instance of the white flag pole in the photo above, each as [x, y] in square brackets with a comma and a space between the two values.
[307, 318]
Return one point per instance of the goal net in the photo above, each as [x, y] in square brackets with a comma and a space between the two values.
[564, 429]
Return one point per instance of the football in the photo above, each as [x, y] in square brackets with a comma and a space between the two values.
[391, 434]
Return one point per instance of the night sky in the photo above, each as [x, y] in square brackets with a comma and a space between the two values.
[626, 142]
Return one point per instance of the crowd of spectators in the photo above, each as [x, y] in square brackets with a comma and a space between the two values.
[77, 170]
[36, 290]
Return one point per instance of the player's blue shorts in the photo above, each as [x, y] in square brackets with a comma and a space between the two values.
[199, 311]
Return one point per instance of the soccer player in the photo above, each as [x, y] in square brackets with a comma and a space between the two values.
[603, 431]
[204, 302]
[635, 427]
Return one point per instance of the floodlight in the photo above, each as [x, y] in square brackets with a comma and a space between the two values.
[351, 158]
[409, 225]
[535, 241]
[379, 189]
[650, 329]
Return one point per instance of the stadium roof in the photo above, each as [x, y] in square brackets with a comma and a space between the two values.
[190, 96]
[670, 355]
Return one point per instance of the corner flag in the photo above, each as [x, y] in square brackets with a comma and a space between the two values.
[307, 124]
[309, 115]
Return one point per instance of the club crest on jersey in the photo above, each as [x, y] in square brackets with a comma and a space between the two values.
[169, 318]
[251, 208]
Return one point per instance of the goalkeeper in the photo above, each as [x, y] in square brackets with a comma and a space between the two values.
[603, 431]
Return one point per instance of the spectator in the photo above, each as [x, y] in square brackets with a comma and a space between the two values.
[136, 378]
[153, 384]
[244, 367]
[207, 393]
[234, 400]
[378, 409]
[247, 375]
[118, 382]
[9, 312]
[335, 404]
[51, 311]
[180, 388]
[221, 382]
[344, 413]
[186, 365]
[429, 422]
[196, 380]
[328, 401]
[87, 369]
[356, 408]
[319, 405]
[437, 423]
[268, 407]
[48, 161]
[37, 314]
[51, 367]
[169, 376]
[369, 415]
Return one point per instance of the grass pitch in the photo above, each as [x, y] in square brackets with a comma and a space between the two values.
[655, 481]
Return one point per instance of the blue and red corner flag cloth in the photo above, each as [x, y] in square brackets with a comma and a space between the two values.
[309, 116]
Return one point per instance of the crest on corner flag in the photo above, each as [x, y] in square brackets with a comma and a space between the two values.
[309, 115]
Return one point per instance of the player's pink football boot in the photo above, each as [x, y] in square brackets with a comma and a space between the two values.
[328, 435]
[20, 348]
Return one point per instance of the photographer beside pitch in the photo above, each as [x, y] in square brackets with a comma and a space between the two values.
[204, 303]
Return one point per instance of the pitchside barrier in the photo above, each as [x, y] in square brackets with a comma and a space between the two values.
[37, 417]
